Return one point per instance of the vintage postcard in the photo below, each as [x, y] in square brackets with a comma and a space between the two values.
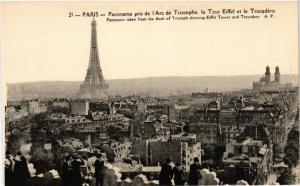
[150, 93]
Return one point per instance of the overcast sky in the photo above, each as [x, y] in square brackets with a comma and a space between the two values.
[40, 42]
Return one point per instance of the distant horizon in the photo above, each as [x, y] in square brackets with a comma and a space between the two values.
[151, 86]
[174, 76]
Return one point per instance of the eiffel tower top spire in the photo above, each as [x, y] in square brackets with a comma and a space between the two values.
[94, 82]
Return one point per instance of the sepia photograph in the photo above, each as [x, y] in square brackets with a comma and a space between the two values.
[149, 93]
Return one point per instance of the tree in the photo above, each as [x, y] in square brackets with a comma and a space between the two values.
[114, 132]
[277, 149]
[39, 118]
[292, 154]
[287, 161]
[219, 150]
[43, 160]
[286, 178]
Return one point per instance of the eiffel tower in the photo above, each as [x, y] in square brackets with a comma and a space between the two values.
[94, 86]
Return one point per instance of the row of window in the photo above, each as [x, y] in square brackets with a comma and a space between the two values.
[121, 149]
[75, 120]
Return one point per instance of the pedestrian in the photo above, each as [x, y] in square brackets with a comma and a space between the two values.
[21, 172]
[91, 161]
[166, 173]
[99, 164]
[8, 173]
[178, 174]
[84, 167]
[194, 172]
[66, 171]
[75, 170]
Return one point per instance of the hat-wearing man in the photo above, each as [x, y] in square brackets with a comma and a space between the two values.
[21, 172]
[194, 175]
[178, 174]
[99, 164]
[166, 173]
[75, 170]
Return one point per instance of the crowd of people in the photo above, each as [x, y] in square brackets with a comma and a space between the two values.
[176, 173]
[87, 171]
[82, 170]
[76, 170]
